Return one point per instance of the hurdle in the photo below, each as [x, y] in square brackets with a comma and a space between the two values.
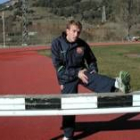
[69, 104]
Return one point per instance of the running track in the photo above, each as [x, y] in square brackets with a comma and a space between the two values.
[26, 72]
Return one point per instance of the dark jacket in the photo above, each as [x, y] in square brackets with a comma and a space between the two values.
[68, 58]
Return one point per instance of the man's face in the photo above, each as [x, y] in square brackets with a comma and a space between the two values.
[73, 33]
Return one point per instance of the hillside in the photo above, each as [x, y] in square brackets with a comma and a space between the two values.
[46, 19]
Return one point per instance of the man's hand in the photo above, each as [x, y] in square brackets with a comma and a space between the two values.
[61, 87]
[82, 76]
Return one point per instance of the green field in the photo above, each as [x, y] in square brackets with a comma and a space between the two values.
[112, 59]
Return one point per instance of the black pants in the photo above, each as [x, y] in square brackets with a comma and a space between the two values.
[96, 83]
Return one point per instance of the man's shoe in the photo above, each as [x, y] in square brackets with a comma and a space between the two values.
[65, 138]
[124, 81]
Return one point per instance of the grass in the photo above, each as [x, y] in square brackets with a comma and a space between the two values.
[45, 52]
[112, 59]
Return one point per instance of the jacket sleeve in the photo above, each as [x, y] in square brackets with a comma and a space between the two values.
[91, 60]
[57, 60]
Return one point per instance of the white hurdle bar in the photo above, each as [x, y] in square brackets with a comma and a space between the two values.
[70, 104]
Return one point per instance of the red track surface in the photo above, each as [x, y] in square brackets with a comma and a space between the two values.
[26, 72]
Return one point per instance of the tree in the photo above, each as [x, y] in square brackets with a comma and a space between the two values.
[127, 11]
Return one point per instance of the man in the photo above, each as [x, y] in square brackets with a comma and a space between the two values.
[76, 64]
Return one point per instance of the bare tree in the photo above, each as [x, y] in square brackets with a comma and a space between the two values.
[127, 11]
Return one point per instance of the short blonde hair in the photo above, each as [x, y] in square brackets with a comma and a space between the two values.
[74, 22]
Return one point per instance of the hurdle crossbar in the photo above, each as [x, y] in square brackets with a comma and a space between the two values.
[70, 104]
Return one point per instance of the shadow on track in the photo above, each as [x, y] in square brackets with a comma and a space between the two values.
[89, 128]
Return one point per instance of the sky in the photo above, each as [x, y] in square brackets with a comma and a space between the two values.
[2, 1]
